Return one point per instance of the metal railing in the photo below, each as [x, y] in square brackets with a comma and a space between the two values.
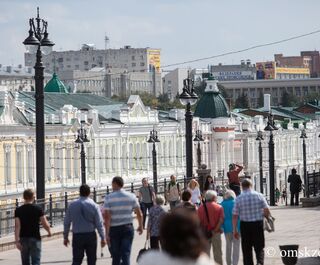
[313, 184]
[56, 207]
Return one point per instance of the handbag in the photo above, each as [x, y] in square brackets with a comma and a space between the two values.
[143, 250]
[206, 231]
[268, 223]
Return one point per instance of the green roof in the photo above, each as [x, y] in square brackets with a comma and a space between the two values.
[55, 85]
[211, 105]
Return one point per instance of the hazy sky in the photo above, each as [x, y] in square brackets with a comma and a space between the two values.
[183, 29]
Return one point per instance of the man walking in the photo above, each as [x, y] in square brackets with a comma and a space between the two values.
[250, 207]
[173, 192]
[211, 215]
[118, 218]
[27, 230]
[295, 186]
[85, 216]
[233, 176]
[146, 198]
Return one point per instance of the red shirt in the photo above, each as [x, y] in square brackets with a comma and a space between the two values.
[233, 175]
[215, 213]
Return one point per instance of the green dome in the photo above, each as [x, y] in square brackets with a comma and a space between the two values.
[212, 104]
[55, 85]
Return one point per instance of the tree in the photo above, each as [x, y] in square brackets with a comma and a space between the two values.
[260, 100]
[242, 102]
[289, 100]
[312, 98]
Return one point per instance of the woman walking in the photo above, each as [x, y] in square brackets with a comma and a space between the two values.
[232, 244]
[193, 187]
[209, 184]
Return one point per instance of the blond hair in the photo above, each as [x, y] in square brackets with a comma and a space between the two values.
[193, 183]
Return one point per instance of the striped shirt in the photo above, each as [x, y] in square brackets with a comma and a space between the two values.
[249, 206]
[120, 204]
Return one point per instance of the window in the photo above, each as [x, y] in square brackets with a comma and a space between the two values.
[86, 63]
[7, 164]
[68, 59]
[133, 57]
[142, 64]
[19, 166]
[76, 162]
[133, 64]
[68, 163]
[60, 60]
[30, 163]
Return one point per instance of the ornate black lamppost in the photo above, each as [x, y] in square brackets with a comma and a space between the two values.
[38, 42]
[198, 138]
[303, 136]
[260, 138]
[153, 138]
[188, 97]
[271, 127]
[81, 139]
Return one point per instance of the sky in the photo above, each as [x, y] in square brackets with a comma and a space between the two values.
[183, 29]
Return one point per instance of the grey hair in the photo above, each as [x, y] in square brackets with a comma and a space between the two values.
[211, 195]
[229, 194]
[159, 200]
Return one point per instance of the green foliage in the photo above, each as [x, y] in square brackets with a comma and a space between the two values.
[312, 98]
[260, 100]
[242, 102]
[289, 100]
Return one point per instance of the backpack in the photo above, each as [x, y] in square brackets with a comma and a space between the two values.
[177, 186]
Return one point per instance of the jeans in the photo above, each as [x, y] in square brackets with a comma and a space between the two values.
[31, 248]
[121, 238]
[144, 207]
[294, 195]
[252, 236]
[216, 244]
[173, 204]
[232, 249]
[84, 242]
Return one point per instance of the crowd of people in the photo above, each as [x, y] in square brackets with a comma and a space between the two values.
[185, 234]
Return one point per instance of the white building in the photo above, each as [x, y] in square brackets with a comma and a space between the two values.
[173, 82]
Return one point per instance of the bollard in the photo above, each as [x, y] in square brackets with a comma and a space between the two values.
[94, 195]
[17, 203]
[65, 202]
[132, 187]
[50, 210]
[108, 190]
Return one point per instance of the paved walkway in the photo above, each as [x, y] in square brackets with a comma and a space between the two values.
[293, 226]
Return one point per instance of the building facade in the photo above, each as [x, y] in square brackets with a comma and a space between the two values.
[172, 82]
[254, 89]
[88, 57]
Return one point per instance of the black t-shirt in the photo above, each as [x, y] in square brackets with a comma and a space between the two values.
[29, 215]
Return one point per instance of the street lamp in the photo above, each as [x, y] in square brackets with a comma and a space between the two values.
[188, 97]
[198, 138]
[38, 42]
[81, 139]
[153, 138]
[303, 136]
[260, 138]
[271, 127]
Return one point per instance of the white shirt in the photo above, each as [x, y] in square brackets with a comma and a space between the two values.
[195, 194]
[153, 257]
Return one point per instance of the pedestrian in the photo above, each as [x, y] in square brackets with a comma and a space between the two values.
[211, 215]
[193, 187]
[295, 187]
[284, 195]
[173, 192]
[182, 241]
[155, 216]
[27, 230]
[250, 207]
[186, 202]
[146, 198]
[118, 207]
[277, 195]
[85, 216]
[232, 244]
[209, 184]
[233, 176]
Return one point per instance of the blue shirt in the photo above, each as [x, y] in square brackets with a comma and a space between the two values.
[120, 204]
[155, 215]
[227, 208]
[85, 216]
[249, 206]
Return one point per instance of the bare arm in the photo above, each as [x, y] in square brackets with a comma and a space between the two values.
[139, 217]
[45, 224]
[107, 220]
[235, 225]
[218, 227]
[17, 232]
[266, 212]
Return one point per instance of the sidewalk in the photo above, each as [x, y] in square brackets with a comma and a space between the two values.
[294, 225]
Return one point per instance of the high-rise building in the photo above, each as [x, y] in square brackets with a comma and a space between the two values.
[88, 57]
